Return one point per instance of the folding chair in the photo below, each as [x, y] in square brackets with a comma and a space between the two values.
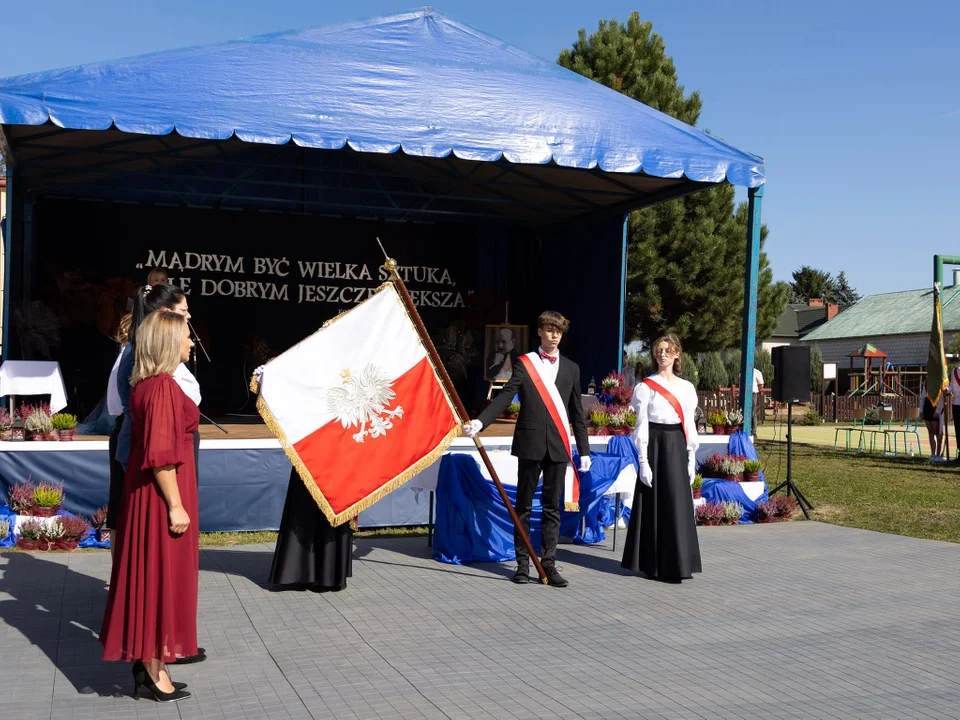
[859, 415]
[886, 418]
[912, 427]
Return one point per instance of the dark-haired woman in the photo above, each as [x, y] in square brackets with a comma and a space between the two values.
[662, 536]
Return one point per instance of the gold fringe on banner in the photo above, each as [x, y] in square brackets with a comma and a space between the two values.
[571, 507]
[334, 518]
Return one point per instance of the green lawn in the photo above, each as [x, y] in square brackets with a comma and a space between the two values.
[905, 496]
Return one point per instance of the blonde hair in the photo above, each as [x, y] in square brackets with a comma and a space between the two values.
[157, 349]
[158, 276]
[673, 342]
[123, 329]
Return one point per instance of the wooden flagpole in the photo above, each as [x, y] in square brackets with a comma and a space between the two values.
[463, 416]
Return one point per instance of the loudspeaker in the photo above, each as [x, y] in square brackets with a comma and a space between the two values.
[791, 374]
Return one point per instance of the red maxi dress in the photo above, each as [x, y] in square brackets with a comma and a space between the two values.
[152, 605]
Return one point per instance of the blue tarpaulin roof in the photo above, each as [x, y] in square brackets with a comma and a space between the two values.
[419, 82]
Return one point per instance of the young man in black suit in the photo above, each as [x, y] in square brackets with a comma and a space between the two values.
[537, 442]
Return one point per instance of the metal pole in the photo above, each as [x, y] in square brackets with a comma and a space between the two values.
[430, 522]
[623, 293]
[750, 290]
[462, 414]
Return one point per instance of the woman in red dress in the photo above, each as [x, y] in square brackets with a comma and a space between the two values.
[151, 614]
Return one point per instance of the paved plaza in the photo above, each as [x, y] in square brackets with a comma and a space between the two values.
[794, 620]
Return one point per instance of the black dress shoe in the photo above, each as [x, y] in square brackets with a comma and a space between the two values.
[554, 578]
[521, 577]
[199, 657]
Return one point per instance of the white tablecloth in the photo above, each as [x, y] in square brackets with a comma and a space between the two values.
[34, 377]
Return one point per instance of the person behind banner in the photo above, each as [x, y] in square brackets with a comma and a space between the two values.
[549, 388]
[115, 408]
[933, 419]
[662, 535]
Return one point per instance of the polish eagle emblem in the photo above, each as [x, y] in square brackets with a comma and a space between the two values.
[362, 400]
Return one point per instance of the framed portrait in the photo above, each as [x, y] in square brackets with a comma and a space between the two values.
[502, 347]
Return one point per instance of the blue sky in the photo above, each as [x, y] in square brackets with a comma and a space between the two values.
[855, 106]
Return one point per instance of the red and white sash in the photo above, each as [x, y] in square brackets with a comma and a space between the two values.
[558, 413]
[670, 398]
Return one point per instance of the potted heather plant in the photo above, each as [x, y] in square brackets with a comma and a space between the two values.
[30, 532]
[65, 424]
[718, 421]
[712, 467]
[697, 486]
[734, 421]
[766, 511]
[47, 499]
[51, 534]
[622, 421]
[785, 507]
[6, 424]
[21, 498]
[512, 412]
[37, 424]
[732, 511]
[74, 528]
[732, 468]
[599, 423]
[709, 513]
[609, 384]
[97, 521]
[751, 470]
[4, 529]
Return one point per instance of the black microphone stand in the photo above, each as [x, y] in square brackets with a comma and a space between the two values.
[193, 352]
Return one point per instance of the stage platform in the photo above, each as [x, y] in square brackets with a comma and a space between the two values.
[243, 475]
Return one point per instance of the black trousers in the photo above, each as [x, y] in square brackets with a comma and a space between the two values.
[527, 480]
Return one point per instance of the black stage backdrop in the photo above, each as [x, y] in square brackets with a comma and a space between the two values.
[256, 283]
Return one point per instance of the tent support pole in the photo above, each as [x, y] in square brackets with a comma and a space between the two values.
[750, 288]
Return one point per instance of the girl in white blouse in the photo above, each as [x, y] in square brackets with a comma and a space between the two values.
[662, 536]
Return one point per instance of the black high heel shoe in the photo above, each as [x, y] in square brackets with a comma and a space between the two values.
[142, 677]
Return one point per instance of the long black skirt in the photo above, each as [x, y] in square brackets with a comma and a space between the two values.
[116, 478]
[310, 552]
[662, 536]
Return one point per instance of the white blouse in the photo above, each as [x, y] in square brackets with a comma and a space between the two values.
[188, 383]
[651, 407]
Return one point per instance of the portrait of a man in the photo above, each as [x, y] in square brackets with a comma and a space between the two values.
[503, 345]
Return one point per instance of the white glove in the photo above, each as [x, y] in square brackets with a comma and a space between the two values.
[585, 462]
[258, 373]
[472, 428]
[646, 474]
[692, 468]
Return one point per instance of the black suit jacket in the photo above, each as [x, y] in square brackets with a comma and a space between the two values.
[536, 437]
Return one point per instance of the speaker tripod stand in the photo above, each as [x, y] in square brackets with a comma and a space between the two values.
[804, 504]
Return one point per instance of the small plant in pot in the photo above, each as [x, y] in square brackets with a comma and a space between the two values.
[74, 528]
[732, 511]
[697, 486]
[734, 421]
[732, 469]
[766, 511]
[4, 529]
[751, 470]
[47, 499]
[709, 513]
[718, 421]
[97, 521]
[712, 467]
[784, 507]
[30, 532]
[6, 425]
[37, 424]
[622, 421]
[599, 423]
[65, 424]
[51, 535]
[513, 410]
[21, 498]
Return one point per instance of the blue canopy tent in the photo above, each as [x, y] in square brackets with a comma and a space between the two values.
[409, 118]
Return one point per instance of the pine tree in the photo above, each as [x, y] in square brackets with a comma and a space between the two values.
[764, 363]
[713, 374]
[686, 257]
[844, 294]
[816, 370]
[812, 284]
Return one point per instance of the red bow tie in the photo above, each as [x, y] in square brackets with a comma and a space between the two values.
[551, 358]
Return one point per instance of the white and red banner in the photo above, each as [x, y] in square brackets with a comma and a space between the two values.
[358, 406]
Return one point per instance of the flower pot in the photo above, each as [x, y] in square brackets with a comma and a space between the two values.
[719, 430]
[31, 435]
[6, 434]
[698, 493]
[766, 520]
[67, 435]
[52, 436]
[65, 544]
[751, 476]
[27, 544]
[711, 522]
[102, 534]
[733, 478]
[44, 512]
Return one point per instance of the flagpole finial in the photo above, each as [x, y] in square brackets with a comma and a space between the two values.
[390, 264]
